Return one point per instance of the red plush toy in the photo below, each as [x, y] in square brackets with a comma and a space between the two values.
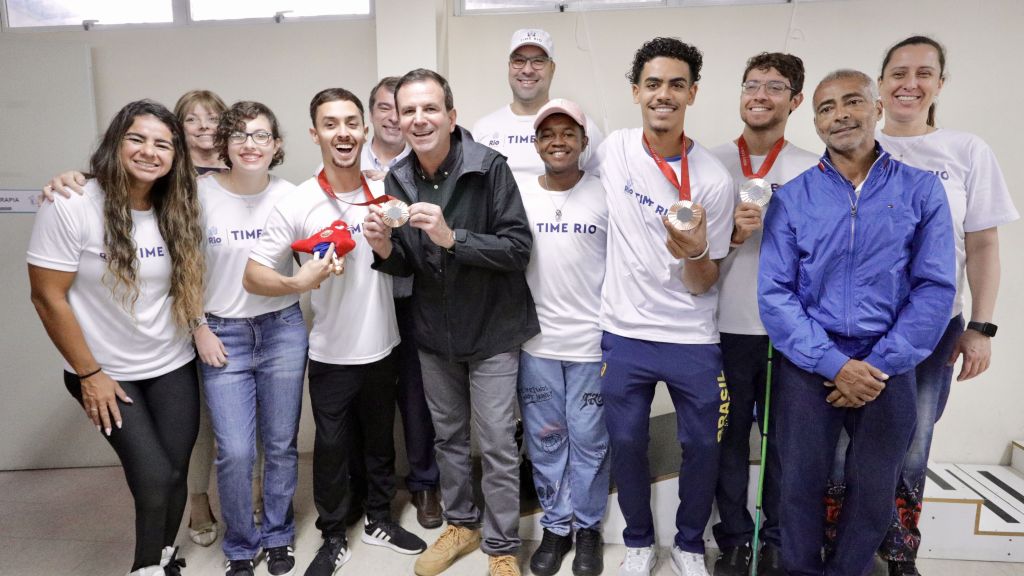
[317, 244]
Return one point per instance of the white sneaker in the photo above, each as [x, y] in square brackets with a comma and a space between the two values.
[639, 562]
[688, 563]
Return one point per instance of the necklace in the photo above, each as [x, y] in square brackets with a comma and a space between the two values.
[907, 149]
[558, 209]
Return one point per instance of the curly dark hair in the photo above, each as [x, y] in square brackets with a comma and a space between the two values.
[791, 67]
[233, 120]
[669, 48]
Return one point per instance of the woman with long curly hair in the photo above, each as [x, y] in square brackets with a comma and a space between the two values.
[117, 280]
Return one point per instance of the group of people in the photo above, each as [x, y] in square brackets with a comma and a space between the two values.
[534, 264]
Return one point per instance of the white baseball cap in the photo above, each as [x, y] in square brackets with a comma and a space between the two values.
[533, 37]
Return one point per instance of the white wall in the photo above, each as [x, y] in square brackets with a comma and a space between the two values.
[286, 64]
[594, 50]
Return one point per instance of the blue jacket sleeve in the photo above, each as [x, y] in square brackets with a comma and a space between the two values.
[932, 279]
[793, 332]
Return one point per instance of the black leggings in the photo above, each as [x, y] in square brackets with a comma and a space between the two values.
[154, 445]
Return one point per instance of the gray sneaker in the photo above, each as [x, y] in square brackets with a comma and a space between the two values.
[639, 562]
[688, 563]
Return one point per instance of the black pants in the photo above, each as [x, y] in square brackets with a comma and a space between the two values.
[347, 399]
[745, 359]
[154, 446]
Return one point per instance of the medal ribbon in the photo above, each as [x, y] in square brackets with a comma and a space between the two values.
[769, 160]
[321, 179]
[682, 183]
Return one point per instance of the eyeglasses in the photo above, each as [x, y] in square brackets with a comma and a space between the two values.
[259, 137]
[537, 62]
[773, 87]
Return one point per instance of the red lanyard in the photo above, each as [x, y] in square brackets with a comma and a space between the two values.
[684, 168]
[769, 160]
[321, 179]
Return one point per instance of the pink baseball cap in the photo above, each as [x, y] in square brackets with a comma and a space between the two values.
[533, 37]
[561, 106]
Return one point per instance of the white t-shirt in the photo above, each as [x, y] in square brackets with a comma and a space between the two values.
[566, 268]
[68, 236]
[513, 136]
[644, 296]
[968, 169]
[737, 282]
[353, 314]
[233, 224]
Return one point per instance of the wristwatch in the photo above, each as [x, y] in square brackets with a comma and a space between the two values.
[986, 328]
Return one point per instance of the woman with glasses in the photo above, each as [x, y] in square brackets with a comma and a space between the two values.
[253, 348]
[117, 276]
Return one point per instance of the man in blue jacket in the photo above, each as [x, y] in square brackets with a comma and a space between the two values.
[856, 283]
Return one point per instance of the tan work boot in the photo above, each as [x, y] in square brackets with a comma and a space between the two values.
[454, 542]
[504, 566]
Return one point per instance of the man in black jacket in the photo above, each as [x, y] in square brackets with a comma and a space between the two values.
[467, 244]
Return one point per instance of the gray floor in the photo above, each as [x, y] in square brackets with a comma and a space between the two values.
[78, 522]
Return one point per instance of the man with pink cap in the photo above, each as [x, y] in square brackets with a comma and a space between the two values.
[560, 368]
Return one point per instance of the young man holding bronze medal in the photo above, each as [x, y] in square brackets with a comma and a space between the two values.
[856, 282]
[760, 161]
[352, 371]
[467, 244]
[670, 205]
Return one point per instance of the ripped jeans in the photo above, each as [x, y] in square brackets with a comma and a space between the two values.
[563, 418]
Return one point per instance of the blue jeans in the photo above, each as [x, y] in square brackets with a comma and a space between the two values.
[263, 378]
[563, 417]
[934, 377]
[808, 430]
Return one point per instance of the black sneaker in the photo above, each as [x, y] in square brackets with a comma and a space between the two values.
[733, 561]
[903, 568]
[548, 557]
[331, 556]
[389, 534]
[281, 561]
[239, 568]
[589, 560]
[769, 563]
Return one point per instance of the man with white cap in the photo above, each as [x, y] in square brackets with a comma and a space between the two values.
[560, 368]
[509, 130]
